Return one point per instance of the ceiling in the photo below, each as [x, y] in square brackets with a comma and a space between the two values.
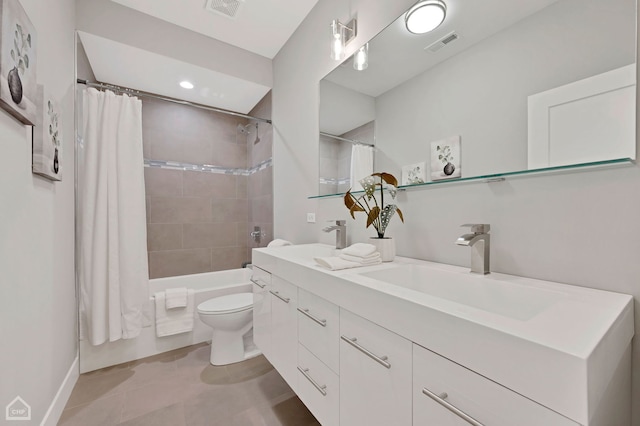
[259, 26]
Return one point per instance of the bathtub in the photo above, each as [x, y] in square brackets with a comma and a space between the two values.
[206, 286]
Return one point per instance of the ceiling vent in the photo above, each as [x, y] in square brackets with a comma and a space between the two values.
[228, 8]
[449, 38]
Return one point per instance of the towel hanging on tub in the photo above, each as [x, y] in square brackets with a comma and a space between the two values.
[174, 321]
[176, 297]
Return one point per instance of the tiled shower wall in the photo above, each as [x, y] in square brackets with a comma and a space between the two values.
[196, 221]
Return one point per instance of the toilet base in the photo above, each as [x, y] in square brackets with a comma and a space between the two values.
[228, 348]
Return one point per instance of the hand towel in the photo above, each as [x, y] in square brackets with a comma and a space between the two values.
[279, 243]
[335, 263]
[372, 259]
[360, 249]
[176, 297]
[174, 321]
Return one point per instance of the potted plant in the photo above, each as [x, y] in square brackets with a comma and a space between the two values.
[378, 213]
[445, 156]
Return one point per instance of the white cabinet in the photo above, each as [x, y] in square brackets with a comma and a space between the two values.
[375, 374]
[261, 280]
[318, 388]
[447, 394]
[319, 328]
[284, 329]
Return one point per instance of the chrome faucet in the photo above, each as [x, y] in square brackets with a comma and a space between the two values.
[341, 232]
[479, 242]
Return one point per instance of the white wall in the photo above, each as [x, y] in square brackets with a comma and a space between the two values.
[116, 22]
[580, 228]
[37, 290]
[481, 93]
[342, 109]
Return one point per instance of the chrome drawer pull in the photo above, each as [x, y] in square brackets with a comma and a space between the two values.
[321, 388]
[305, 312]
[277, 294]
[257, 282]
[382, 360]
[440, 400]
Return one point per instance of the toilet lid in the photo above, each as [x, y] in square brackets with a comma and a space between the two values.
[227, 304]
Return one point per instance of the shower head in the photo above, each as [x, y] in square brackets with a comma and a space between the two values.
[257, 137]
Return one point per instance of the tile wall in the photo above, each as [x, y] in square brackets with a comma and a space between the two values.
[196, 221]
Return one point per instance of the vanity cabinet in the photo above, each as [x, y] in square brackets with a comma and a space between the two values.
[448, 394]
[375, 374]
[318, 388]
[284, 328]
[261, 280]
[319, 328]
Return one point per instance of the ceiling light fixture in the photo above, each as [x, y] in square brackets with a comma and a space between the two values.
[361, 58]
[341, 34]
[186, 84]
[425, 16]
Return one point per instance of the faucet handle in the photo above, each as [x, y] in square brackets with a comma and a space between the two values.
[478, 228]
[339, 222]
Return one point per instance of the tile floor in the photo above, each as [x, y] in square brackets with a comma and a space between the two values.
[181, 388]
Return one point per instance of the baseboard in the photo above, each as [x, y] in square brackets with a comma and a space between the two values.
[62, 396]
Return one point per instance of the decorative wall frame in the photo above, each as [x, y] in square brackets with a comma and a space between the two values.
[47, 138]
[445, 159]
[413, 174]
[17, 62]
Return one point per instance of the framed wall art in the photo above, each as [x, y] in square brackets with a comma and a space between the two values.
[47, 138]
[17, 62]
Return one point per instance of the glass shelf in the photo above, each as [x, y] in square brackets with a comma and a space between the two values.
[498, 177]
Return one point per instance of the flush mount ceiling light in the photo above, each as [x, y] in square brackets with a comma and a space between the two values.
[186, 84]
[425, 16]
[341, 34]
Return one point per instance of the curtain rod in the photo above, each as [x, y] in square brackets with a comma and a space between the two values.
[166, 98]
[353, 141]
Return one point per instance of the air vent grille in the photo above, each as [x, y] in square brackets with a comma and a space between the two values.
[449, 38]
[228, 8]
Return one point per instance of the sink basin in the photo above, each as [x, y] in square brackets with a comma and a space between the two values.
[307, 251]
[499, 296]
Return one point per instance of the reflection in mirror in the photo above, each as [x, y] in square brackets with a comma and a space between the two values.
[526, 85]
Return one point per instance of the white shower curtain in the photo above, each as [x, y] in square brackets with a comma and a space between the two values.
[361, 165]
[113, 271]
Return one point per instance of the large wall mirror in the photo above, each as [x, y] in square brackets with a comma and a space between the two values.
[507, 86]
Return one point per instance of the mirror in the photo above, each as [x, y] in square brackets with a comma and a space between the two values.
[506, 86]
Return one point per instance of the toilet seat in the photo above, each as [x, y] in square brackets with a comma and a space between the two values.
[227, 304]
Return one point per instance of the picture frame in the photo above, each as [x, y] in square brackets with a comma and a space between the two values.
[47, 137]
[414, 174]
[445, 159]
[18, 54]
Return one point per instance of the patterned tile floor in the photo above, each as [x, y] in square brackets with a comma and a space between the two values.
[181, 388]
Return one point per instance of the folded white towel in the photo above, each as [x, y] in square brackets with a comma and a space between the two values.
[372, 259]
[279, 243]
[360, 249]
[169, 322]
[176, 297]
[335, 263]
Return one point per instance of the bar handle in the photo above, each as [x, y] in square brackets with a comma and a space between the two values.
[257, 282]
[321, 388]
[277, 294]
[382, 360]
[305, 312]
[455, 410]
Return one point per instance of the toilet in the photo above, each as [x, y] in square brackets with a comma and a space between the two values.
[231, 318]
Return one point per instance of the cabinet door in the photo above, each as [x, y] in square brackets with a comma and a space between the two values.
[448, 394]
[284, 329]
[375, 374]
[319, 328]
[261, 280]
[318, 388]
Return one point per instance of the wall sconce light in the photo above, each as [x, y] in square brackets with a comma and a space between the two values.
[425, 16]
[341, 34]
[361, 58]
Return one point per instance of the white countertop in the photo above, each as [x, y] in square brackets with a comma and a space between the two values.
[557, 344]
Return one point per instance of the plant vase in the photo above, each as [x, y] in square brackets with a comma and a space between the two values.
[386, 247]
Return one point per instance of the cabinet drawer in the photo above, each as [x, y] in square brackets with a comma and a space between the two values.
[375, 374]
[472, 395]
[319, 328]
[260, 277]
[318, 388]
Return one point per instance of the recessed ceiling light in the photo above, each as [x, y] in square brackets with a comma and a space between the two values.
[186, 84]
[425, 16]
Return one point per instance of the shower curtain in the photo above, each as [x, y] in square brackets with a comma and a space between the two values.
[361, 165]
[113, 271]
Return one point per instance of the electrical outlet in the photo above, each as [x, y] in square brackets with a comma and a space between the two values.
[311, 218]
